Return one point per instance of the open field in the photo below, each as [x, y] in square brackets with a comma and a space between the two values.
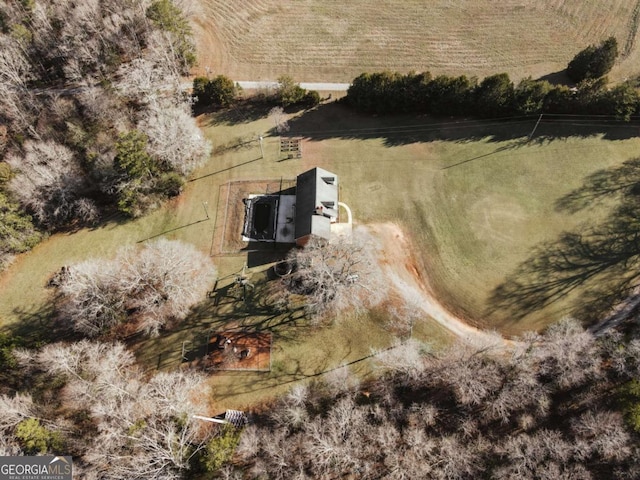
[333, 40]
[477, 198]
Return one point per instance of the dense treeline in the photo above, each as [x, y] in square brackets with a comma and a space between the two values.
[90, 400]
[549, 408]
[494, 96]
[93, 118]
[560, 405]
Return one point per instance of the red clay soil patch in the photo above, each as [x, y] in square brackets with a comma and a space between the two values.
[401, 269]
[239, 351]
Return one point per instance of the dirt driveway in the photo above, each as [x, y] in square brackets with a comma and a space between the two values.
[399, 265]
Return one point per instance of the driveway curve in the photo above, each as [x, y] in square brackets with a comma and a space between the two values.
[400, 267]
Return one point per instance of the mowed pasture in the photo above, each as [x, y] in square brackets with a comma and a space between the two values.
[333, 40]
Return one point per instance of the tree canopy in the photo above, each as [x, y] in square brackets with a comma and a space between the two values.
[495, 96]
[219, 91]
[332, 277]
[68, 163]
[146, 289]
[594, 61]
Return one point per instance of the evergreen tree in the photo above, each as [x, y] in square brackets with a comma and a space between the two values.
[593, 62]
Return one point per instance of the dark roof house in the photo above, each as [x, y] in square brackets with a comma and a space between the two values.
[293, 218]
[316, 204]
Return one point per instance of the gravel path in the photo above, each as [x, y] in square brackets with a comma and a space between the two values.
[323, 87]
[399, 265]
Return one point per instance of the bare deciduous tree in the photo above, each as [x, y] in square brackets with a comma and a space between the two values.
[249, 445]
[174, 137]
[91, 297]
[472, 375]
[336, 276]
[16, 99]
[405, 360]
[341, 380]
[153, 287]
[535, 456]
[142, 79]
[15, 409]
[568, 354]
[164, 281]
[279, 120]
[521, 390]
[604, 433]
[146, 425]
[50, 182]
[403, 317]
[9, 447]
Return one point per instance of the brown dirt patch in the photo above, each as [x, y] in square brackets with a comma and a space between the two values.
[408, 282]
[239, 351]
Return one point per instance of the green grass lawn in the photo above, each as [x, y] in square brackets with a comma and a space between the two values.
[475, 198]
[300, 353]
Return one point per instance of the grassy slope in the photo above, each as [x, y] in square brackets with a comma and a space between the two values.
[477, 220]
[333, 40]
[473, 223]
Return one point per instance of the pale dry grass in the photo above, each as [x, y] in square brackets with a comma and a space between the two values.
[334, 40]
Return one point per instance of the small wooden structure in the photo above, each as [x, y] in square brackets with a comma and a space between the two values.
[290, 147]
[237, 418]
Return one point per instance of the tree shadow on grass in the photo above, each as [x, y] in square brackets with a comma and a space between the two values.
[228, 308]
[601, 263]
[620, 182]
[346, 123]
[336, 120]
[250, 308]
[557, 78]
[243, 112]
[38, 325]
[262, 253]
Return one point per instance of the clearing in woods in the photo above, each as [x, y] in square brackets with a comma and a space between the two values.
[473, 199]
[334, 40]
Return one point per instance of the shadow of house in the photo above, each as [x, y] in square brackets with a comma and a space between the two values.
[558, 78]
[259, 253]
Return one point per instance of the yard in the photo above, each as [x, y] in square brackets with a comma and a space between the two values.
[475, 198]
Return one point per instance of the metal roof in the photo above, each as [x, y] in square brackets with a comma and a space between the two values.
[316, 203]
